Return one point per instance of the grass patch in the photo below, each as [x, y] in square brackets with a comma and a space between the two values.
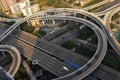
[115, 16]
[60, 4]
[50, 2]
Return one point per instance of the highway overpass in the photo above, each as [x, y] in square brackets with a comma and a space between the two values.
[113, 41]
[85, 70]
[15, 56]
[102, 71]
[97, 58]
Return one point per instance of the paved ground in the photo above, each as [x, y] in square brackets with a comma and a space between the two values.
[108, 5]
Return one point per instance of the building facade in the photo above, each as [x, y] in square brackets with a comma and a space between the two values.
[5, 4]
[17, 8]
[29, 10]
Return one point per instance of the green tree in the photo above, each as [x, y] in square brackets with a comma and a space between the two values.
[39, 33]
[42, 33]
[68, 44]
[50, 2]
[84, 51]
[27, 28]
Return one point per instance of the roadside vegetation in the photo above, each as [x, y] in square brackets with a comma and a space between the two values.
[84, 33]
[55, 3]
[28, 29]
[21, 74]
[9, 23]
[50, 2]
[60, 4]
[112, 61]
[115, 16]
[80, 49]
[68, 44]
[39, 33]
[31, 29]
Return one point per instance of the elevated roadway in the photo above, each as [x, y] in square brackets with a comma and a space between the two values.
[15, 56]
[96, 59]
[102, 72]
[113, 41]
[57, 10]
[87, 68]
[46, 61]
[102, 46]
[107, 8]
[53, 50]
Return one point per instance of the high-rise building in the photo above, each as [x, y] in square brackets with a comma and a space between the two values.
[17, 8]
[29, 10]
[5, 4]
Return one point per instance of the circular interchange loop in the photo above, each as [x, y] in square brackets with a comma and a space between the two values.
[98, 56]
[112, 40]
[94, 62]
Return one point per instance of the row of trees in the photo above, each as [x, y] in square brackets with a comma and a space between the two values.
[70, 44]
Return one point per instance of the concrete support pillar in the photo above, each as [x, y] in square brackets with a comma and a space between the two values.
[28, 22]
[43, 22]
[64, 21]
[76, 23]
[84, 17]
[53, 21]
[19, 27]
[3, 53]
[74, 14]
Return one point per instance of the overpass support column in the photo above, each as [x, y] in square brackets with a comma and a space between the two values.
[74, 14]
[3, 53]
[28, 22]
[53, 21]
[84, 17]
[64, 21]
[19, 27]
[76, 23]
[43, 22]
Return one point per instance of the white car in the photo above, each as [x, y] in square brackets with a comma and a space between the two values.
[65, 68]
